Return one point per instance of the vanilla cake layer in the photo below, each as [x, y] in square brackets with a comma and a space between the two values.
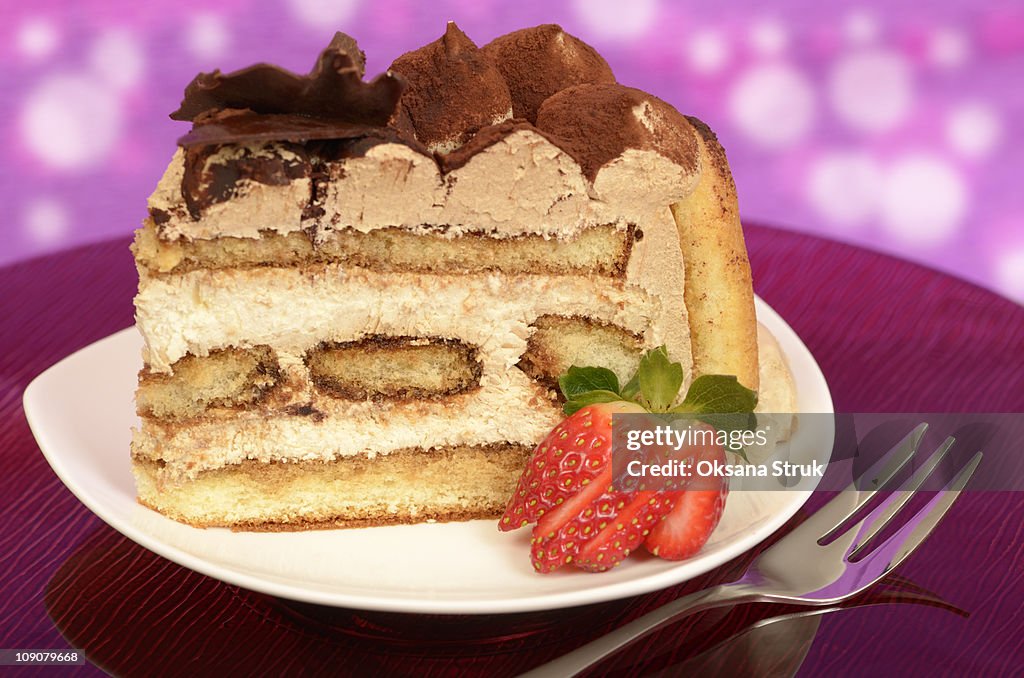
[394, 368]
[598, 250]
[230, 377]
[228, 381]
[411, 485]
[558, 342]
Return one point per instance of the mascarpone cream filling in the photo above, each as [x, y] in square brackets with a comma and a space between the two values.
[522, 184]
[293, 309]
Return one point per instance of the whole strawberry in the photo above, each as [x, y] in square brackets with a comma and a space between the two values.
[566, 489]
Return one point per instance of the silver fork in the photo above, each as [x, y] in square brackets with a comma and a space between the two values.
[826, 559]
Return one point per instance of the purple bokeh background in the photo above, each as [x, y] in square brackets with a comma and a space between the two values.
[893, 125]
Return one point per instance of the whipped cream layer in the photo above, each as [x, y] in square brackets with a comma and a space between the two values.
[292, 309]
[520, 184]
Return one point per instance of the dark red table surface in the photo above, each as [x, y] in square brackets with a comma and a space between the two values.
[889, 335]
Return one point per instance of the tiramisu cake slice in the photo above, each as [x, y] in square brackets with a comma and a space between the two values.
[356, 297]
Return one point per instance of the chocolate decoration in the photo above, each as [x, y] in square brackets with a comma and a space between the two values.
[597, 123]
[453, 90]
[334, 90]
[540, 61]
[343, 42]
[454, 95]
[235, 127]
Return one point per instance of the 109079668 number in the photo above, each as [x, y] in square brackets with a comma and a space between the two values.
[16, 657]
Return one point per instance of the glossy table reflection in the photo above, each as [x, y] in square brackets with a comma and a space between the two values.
[889, 335]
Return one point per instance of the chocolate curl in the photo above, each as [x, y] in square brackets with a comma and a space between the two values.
[333, 91]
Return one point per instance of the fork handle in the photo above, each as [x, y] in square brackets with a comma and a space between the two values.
[586, 656]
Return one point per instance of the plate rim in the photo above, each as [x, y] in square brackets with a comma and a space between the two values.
[424, 605]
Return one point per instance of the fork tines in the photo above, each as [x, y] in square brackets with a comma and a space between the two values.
[884, 475]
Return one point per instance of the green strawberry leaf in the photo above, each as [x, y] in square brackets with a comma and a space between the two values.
[717, 394]
[580, 380]
[722, 402]
[632, 388]
[719, 400]
[659, 379]
[590, 398]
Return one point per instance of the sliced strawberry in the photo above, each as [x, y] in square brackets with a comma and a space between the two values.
[566, 487]
[560, 534]
[686, 528]
[572, 456]
[640, 513]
